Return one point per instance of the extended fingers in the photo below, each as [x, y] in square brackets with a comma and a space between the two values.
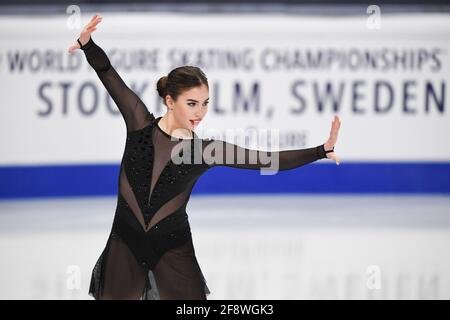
[95, 16]
[335, 126]
[94, 21]
[97, 20]
[73, 47]
[336, 122]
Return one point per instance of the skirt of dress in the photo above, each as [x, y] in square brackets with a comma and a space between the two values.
[118, 275]
[176, 276]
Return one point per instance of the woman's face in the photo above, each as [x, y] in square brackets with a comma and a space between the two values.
[190, 107]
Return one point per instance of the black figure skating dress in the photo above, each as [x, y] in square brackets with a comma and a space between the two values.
[149, 253]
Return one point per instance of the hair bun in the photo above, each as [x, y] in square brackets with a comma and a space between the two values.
[161, 86]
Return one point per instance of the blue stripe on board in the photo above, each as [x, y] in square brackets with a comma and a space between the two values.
[93, 180]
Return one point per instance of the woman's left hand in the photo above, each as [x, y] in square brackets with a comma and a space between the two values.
[329, 145]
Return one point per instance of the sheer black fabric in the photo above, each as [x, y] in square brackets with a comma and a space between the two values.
[149, 253]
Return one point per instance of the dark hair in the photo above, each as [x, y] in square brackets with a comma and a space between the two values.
[180, 79]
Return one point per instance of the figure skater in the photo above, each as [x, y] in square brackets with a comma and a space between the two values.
[149, 253]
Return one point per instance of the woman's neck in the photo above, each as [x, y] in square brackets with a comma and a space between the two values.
[169, 126]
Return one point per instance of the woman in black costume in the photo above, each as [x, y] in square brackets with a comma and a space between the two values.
[149, 253]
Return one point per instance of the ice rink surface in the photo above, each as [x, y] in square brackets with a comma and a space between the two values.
[285, 246]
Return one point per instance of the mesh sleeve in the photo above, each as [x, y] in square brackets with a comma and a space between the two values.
[133, 110]
[222, 153]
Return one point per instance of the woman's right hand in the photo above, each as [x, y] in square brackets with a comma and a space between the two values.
[86, 33]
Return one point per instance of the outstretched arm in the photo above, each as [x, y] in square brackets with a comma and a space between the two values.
[133, 110]
[222, 153]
